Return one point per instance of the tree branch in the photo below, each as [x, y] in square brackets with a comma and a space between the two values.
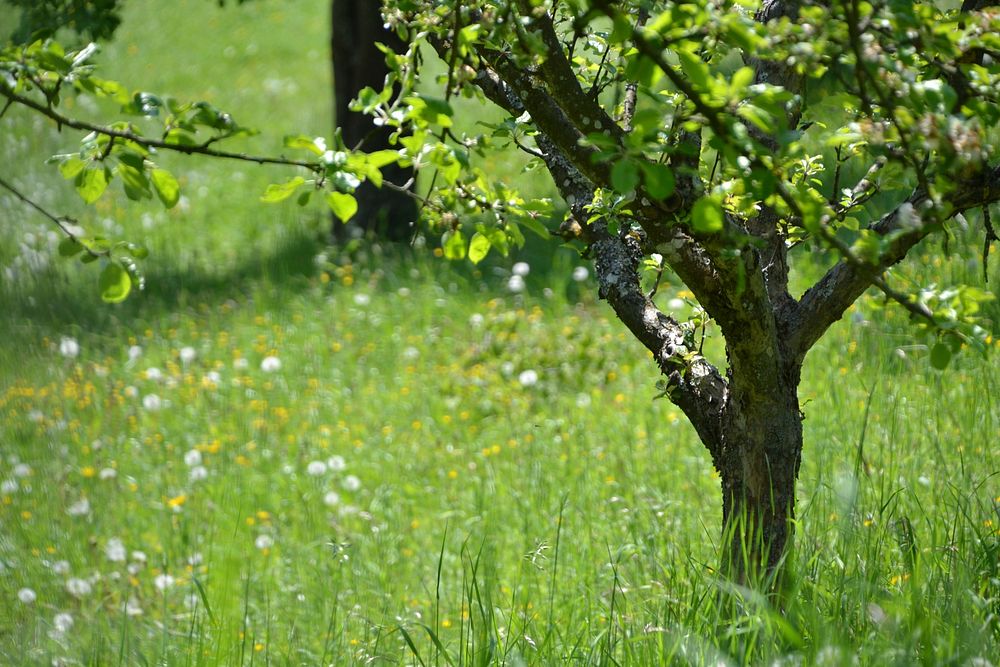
[826, 301]
[197, 149]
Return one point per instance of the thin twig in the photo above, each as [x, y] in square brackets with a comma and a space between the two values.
[59, 222]
[200, 149]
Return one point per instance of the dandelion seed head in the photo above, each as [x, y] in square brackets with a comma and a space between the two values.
[528, 378]
[336, 463]
[187, 355]
[78, 587]
[26, 596]
[163, 581]
[68, 347]
[521, 269]
[316, 468]
[192, 457]
[580, 274]
[352, 483]
[115, 551]
[270, 364]
[331, 499]
[152, 402]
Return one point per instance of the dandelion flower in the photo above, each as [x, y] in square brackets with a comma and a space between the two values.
[331, 499]
[528, 378]
[154, 374]
[62, 623]
[163, 581]
[152, 402]
[352, 483]
[476, 320]
[79, 508]
[516, 284]
[139, 556]
[134, 353]
[60, 566]
[115, 550]
[336, 463]
[263, 542]
[22, 470]
[107, 473]
[26, 595]
[270, 364]
[316, 468]
[69, 348]
[78, 587]
[8, 486]
[362, 299]
[132, 608]
[187, 355]
[521, 269]
[192, 458]
[580, 274]
[198, 473]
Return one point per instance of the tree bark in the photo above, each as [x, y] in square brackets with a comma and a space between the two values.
[358, 63]
[759, 464]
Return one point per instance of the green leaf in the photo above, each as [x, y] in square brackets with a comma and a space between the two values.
[707, 216]
[71, 167]
[303, 142]
[940, 356]
[624, 175]
[69, 247]
[659, 180]
[91, 183]
[453, 244]
[478, 248]
[344, 206]
[277, 192]
[115, 283]
[167, 188]
[134, 182]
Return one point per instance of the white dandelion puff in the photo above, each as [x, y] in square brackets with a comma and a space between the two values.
[114, 550]
[580, 274]
[26, 596]
[331, 499]
[316, 468]
[187, 355]
[528, 378]
[336, 463]
[78, 587]
[192, 458]
[270, 364]
[198, 473]
[79, 508]
[152, 402]
[163, 581]
[68, 347]
[352, 483]
[521, 269]
[264, 542]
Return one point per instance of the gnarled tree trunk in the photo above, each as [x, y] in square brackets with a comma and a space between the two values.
[358, 63]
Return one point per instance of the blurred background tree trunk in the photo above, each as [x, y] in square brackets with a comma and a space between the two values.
[357, 63]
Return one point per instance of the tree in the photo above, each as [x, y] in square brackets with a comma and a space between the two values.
[722, 142]
[358, 63]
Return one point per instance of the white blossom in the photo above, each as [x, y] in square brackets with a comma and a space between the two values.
[270, 364]
[163, 581]
[187, 355]
[521, 269]
[263, 542]
[580, 274]
[336, 463]
[153, 373]
[107, 473]
[516, 284]
[528, 378]
[152, 402]
[362, 299]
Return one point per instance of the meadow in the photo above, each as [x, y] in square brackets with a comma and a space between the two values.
[287, 453]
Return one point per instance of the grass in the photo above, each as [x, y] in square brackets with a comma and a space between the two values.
[399, 490]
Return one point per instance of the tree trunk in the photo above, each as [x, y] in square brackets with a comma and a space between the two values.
[759, 463]
[357, 63]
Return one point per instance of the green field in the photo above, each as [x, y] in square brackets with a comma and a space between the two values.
[284, 453]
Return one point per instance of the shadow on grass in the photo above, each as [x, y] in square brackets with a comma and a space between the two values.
[59, 302]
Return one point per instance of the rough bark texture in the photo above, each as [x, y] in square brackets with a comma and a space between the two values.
[357, 63]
